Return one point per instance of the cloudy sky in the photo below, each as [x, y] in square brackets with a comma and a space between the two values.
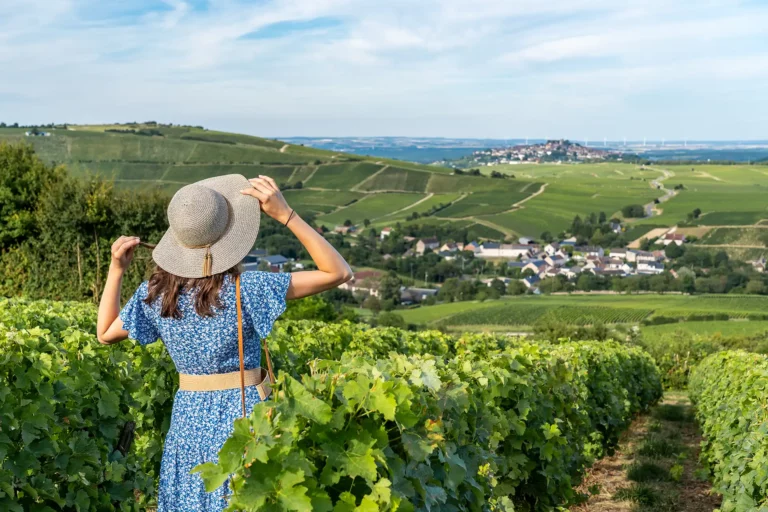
[695, 69]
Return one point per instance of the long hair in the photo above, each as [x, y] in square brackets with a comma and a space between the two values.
[168, 288]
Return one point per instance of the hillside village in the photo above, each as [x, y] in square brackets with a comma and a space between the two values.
[550, 151]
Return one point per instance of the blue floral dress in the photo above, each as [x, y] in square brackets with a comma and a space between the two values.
[203, 420]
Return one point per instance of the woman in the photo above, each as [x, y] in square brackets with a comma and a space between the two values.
[189, 303]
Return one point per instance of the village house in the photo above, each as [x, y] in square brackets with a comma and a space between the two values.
[571, 242]
[423, 244]
[622, 254]
[555, 261]
[571, 273]
[276, 262]
[415, 295]
[525, 240]
[588, 251]
[385, 233]
[643, 256]
[672, 238]
[472, 246]
[535, 266]
[344, 230]
[649, 267]
[552, 249]
[531, 281]
[509, 251]
[365, 282]
[452, 247]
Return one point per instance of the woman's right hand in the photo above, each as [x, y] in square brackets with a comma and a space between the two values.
[122, 251]
[271, 199]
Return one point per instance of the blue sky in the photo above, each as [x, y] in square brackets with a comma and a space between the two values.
[688, 69]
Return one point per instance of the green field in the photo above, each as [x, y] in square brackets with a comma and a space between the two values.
[371, 207]
[551, 194]
[716, 328]
[320, 201]
[422, 207]
[588, 309]
[749, 236]
[396, 178]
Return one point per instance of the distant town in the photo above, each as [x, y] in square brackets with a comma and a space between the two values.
[549, 151]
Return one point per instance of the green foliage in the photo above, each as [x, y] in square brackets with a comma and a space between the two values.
[730, 390]
[59, 230]
[425, 432]
[63, 402]
[363, 417]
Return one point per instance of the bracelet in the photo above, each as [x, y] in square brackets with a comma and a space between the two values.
[289, 217]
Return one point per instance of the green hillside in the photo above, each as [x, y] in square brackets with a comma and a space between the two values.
[337, 187]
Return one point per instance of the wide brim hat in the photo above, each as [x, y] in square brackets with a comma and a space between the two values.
[212, 227]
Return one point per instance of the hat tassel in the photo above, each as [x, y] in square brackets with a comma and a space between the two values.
[207, 262]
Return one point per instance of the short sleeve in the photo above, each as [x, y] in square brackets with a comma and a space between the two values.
[263, 296]
[135, 319]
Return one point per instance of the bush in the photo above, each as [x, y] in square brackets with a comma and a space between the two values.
[730, 390]
[362, 416]
[426, 432]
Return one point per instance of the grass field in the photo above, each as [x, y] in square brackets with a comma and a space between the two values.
[422, 207]
[576, 190]
[320, 201]
[397, 178]
[727, 195]
[586, 309]
[736, 236]
[370, 207]
[715, 328]
[342, 176]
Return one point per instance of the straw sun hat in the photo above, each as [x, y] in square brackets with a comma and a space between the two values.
[212, 227]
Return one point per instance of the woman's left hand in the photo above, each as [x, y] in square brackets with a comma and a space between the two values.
[272, 201]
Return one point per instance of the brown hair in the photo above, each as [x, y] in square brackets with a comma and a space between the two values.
[168, 287]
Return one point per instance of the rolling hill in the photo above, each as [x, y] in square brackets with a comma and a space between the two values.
[336, 187]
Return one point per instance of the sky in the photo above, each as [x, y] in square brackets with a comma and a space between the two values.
[683, 69]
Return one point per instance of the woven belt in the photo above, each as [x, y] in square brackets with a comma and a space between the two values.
[256, 377]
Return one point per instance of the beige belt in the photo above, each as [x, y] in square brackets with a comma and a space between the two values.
[256, 377]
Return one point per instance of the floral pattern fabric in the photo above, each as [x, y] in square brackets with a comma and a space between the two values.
[202, 420]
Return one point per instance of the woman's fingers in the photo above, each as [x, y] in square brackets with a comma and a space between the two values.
[264, 184]
[127, 243]
[271, 181]
[254, 192]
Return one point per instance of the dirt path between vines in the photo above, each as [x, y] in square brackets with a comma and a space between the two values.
[655, 467]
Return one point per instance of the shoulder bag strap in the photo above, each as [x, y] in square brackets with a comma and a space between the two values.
[240, 341]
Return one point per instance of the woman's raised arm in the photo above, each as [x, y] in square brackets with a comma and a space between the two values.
[333, 269]
[109, 327]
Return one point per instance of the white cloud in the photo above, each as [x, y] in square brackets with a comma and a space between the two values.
[442, 67]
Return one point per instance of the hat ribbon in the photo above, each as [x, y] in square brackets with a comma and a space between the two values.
[207, 259]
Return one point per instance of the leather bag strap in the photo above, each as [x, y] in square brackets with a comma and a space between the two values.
[240, 341]
[262, 392]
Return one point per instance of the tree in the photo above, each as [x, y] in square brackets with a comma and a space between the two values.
[633, 211]
[389, 288]
[674, 251]
[372, 303]
[390, 319]
[547, 237]
[755, 287]
[516, 288]
[347, 223]
[602, 218]
[498, 285]
[366, 222]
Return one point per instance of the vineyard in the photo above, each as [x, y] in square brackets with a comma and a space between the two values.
[730, 390]
[364, 418]
[522, 312]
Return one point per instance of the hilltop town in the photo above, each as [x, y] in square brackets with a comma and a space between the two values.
[550, 151]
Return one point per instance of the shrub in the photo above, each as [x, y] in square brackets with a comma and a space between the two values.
[730, 390]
